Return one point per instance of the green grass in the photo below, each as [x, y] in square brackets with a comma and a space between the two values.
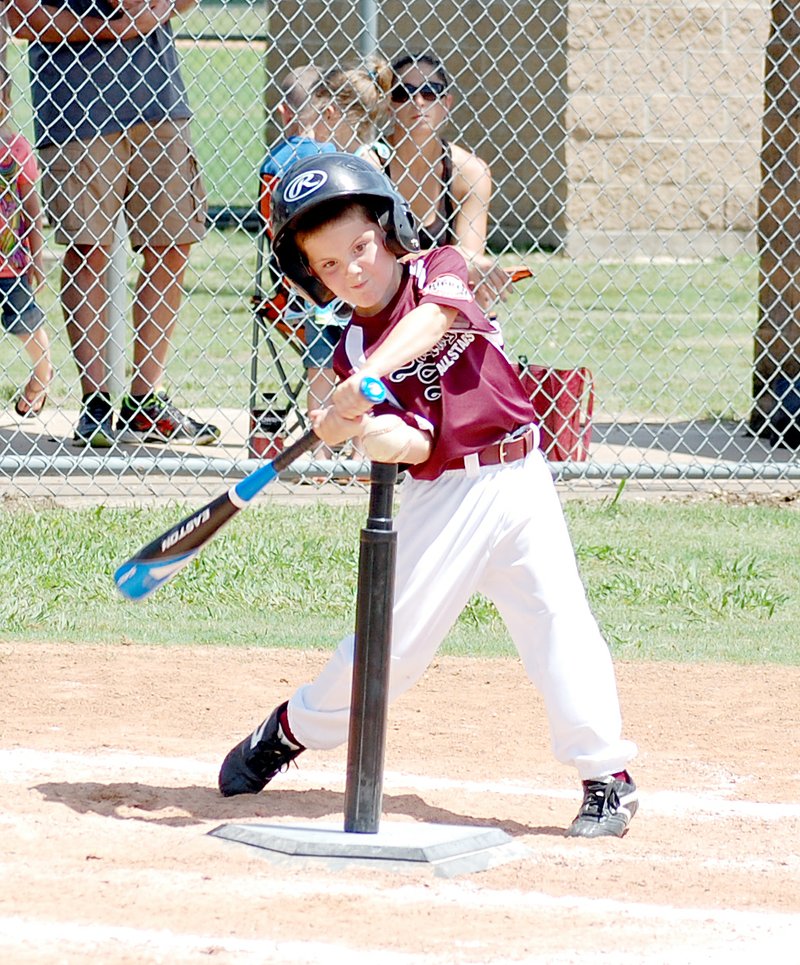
[225, 86]
[678, 582]
[689, 359]
[673, 339]
[243, 18]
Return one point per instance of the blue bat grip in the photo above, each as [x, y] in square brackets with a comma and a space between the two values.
[252, 485]
[373, 390]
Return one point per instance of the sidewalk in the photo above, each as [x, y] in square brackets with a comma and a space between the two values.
[69, 475]
[65, 474]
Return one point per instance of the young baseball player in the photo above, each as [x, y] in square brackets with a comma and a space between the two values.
[479, 511]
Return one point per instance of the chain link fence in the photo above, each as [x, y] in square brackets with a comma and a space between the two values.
[643, 163]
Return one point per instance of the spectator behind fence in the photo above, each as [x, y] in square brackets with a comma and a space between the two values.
[448, 187]
[299, 116]
[21, 254]
[112, 129]
[350, 106]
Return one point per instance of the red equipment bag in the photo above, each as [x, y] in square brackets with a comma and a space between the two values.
[563, 400]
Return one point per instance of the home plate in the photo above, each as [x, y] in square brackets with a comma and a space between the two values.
[445, 849]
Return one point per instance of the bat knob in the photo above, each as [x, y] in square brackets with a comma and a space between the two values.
[372, 389]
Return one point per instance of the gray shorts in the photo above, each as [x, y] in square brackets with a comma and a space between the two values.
[149, 171]
[20, 314]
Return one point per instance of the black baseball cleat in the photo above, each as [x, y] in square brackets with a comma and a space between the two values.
[252, 764]
[609, 803]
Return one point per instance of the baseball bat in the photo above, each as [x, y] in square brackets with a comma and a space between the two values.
[168, 553]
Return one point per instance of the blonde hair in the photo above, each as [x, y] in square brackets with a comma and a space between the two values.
[359, 94]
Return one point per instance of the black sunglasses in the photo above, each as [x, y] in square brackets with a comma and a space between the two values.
[429, 91]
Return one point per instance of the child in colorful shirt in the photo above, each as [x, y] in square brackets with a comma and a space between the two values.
[21, 255]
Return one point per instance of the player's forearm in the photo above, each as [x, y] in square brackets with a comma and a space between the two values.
[414, 335]
[333, 428]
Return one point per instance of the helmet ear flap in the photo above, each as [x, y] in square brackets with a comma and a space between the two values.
[398, 225]
[405, 226]
[313, 288]
[294, 264]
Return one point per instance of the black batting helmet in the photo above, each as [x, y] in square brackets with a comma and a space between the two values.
[326, 177]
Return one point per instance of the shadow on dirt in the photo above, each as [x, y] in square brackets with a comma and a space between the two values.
[184, 806]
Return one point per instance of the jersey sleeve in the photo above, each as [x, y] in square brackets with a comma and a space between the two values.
[443, 279]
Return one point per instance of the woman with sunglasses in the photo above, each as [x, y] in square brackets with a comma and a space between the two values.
[448, 187]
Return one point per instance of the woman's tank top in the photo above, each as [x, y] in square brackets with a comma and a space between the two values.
[439, 231]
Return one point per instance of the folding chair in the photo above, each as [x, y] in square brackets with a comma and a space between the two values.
[276, 325]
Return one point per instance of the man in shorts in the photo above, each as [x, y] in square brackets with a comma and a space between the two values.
[111, 121]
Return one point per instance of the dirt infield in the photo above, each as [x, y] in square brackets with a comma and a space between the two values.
[109, 756]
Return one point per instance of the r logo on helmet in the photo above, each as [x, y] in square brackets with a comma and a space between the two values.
[304, 184]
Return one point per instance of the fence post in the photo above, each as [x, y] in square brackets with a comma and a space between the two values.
[368, 39]
[117, 288]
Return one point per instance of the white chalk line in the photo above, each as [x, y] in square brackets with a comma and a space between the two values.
[778, 930]
[17, 931]
[21, 764]
[464, 894]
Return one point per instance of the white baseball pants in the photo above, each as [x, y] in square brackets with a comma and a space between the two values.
[500, 532]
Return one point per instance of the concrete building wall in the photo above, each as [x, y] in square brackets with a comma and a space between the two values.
[613, 128]
[664, 126]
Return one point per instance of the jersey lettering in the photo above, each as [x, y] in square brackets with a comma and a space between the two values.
[448, 286]
[454, 353]
[428, 369]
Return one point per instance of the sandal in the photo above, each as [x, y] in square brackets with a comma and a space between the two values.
[32, 398]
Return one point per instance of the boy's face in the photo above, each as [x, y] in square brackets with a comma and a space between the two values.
[349, 257]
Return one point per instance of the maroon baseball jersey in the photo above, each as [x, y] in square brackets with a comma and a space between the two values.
[464, 390]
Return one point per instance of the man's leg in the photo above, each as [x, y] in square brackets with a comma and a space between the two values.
[159, 291]
[147, 415]
[166, 213]
[84, 300]
[83, 184]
